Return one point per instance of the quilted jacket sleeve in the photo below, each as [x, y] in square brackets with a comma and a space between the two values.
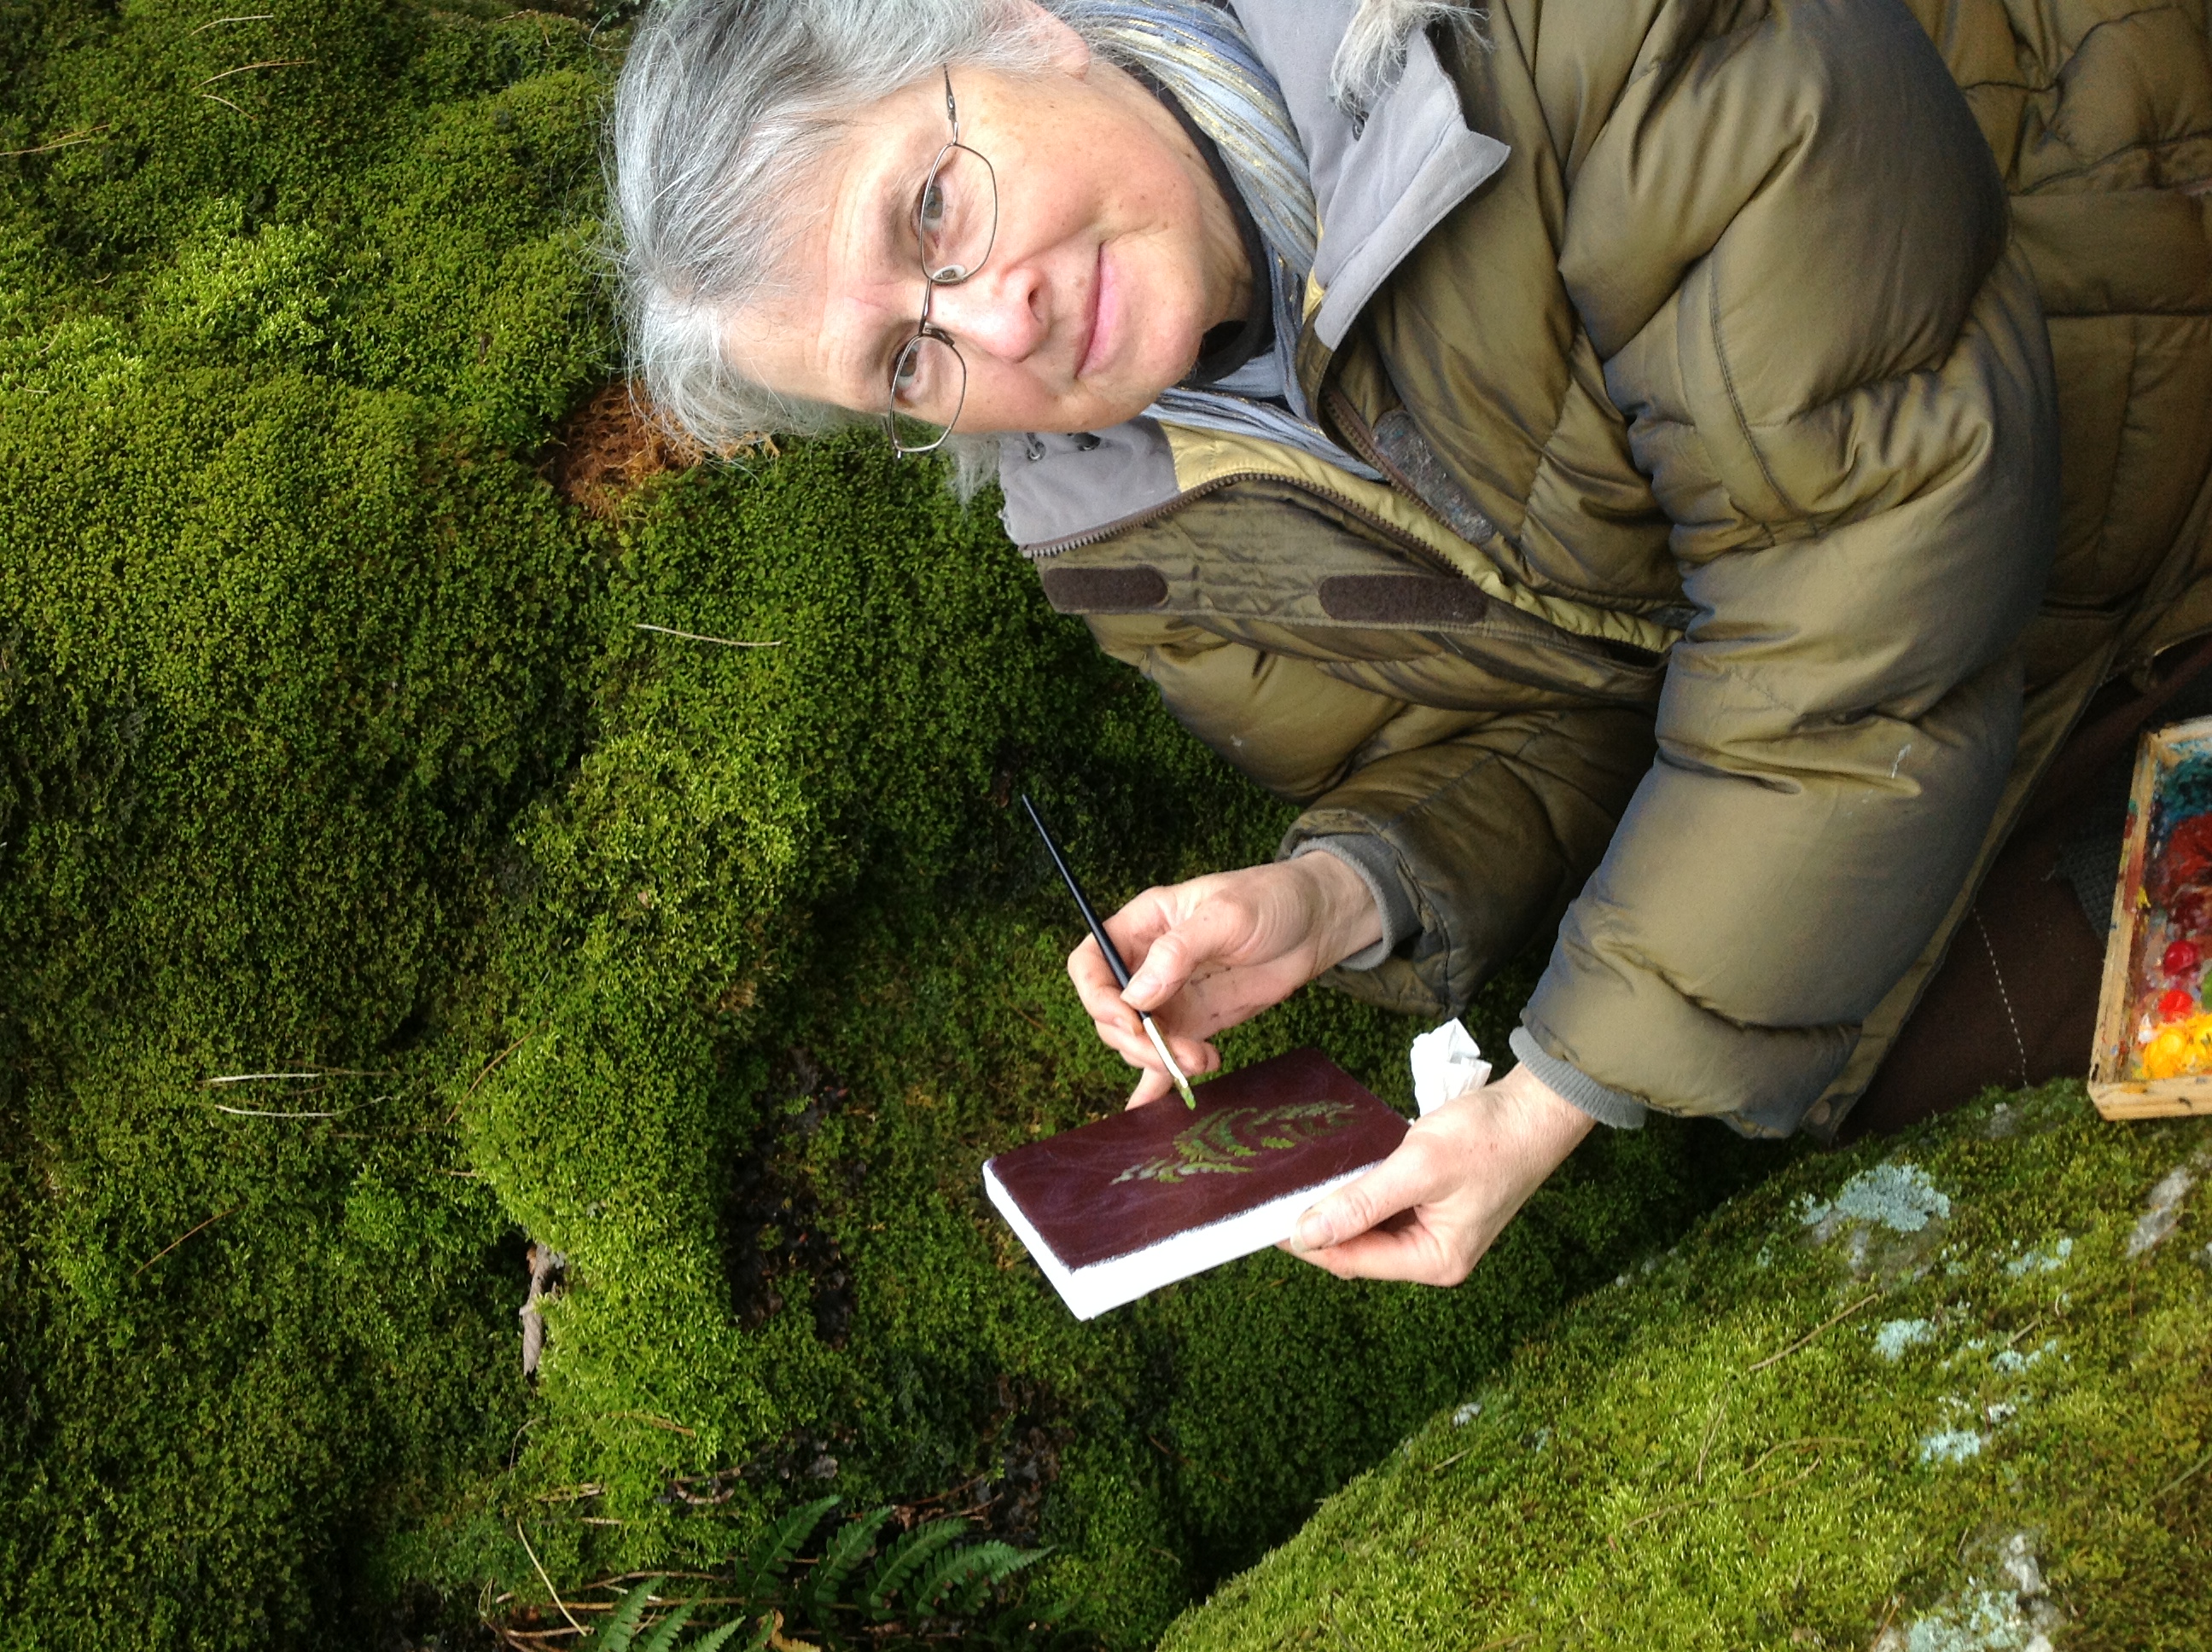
[1539, 788]
[1787, 242]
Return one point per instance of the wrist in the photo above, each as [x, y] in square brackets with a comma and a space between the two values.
[1552, 1125]
[1345, 918]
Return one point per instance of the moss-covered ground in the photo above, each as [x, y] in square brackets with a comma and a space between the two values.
[377, 894]
[1946, 1392]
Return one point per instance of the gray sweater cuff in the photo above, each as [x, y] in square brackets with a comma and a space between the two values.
[1605, 1106]
[1378, 869]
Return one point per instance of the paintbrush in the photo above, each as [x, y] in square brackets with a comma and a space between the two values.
[1113, 958]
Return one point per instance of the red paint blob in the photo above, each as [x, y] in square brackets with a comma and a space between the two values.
[2181, 957]
[2190, 911]
[2188, 857]
[2174, 1004]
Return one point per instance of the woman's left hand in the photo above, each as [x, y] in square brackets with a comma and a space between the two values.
[1429, 1211]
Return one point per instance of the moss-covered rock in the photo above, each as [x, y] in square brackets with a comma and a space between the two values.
[791, 970]
[380, 888]
[1948, 1393]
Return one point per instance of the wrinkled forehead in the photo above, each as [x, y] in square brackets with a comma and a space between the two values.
[843, 273]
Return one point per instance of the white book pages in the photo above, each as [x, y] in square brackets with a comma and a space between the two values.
[1090, 1291]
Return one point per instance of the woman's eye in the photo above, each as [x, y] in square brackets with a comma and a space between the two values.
[933, 209]
[910, 374]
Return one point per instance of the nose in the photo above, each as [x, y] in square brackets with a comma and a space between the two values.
[999, 311]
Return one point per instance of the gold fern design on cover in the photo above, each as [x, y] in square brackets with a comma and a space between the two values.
[1127, 1204]
[1214, 1145]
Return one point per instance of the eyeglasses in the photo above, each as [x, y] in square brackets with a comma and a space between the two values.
[956, 219]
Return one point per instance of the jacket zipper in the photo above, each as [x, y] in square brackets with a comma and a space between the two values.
[1350, 425]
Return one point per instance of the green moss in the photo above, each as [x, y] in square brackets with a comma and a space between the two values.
[1930, 1394]
[782, 935]
[330, 745]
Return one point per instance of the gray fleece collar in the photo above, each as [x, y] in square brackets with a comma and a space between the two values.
[1380, 186]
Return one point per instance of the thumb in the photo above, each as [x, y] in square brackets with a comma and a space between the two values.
[1167, 966]
[1408, 1177]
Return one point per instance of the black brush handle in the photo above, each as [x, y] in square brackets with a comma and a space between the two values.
[1082, 903]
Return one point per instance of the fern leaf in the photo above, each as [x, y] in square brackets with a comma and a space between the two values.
[846, 1551]
[615, 1634]
[901, 1560]
[663, 1638]
[980, 1566]
[778, 1544]
[716, 1639]
[978, 1589]
[969, 1597]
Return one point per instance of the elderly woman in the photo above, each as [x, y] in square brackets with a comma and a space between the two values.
[1624, 468]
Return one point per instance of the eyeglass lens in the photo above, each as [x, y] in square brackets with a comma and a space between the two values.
[957, 215]
[956, 220]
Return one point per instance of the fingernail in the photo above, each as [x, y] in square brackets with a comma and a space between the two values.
[1314, 1232]
[1140, 985]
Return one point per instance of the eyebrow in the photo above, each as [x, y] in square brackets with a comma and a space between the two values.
[895, 188]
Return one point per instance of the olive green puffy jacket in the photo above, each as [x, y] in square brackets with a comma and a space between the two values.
[1746, 458]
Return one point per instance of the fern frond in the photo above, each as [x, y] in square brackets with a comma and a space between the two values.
[663, 1638]
[716, 1639]
[615, 1634]
[846, 1551]
[778, 1544]
[901, 1560]
[969, 1597]
[971, 1570]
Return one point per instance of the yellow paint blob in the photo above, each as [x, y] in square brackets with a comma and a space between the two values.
[2179, 1046]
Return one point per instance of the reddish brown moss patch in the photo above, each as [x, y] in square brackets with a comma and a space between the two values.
[610, 447]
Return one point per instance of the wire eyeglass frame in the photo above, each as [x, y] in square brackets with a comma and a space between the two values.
[926, 331]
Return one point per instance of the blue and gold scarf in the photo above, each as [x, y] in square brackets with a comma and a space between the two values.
[1201, 54]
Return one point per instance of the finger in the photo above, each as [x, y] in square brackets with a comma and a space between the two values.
[1414, 1175]
[1130, 1044]
[1167, 966]
[1101, 995]
[1416, 1252]
[1215, 931]
[1194, 1055]
[1154, 1086]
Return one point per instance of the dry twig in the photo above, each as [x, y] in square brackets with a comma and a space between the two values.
[1712, 1427]
[271, 63]
[2184, 1477]
[492, 1065]
[255, 17]
[543, 1579]
[263, 1112]
[694, 636]
[1825, 1325]
[65, 140]
[180, 1239]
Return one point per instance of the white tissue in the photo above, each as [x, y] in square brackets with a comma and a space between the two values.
[1447, 1064]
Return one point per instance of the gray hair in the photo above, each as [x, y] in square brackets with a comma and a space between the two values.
[723, 109]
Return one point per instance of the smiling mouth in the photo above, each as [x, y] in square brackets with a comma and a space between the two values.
[1094, 329]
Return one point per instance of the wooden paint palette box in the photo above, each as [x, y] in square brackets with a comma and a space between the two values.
[2154, 1052]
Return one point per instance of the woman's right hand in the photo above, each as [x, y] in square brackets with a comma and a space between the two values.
[1215, 952]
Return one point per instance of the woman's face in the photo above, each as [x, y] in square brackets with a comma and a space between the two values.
[1115, 253]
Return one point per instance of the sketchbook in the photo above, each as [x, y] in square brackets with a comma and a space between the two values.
[1122, 1206]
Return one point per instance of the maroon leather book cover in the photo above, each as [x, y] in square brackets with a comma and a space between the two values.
[1146, 1175]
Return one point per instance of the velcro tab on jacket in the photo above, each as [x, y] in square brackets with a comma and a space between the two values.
[1105, 589]
[1415, 599]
